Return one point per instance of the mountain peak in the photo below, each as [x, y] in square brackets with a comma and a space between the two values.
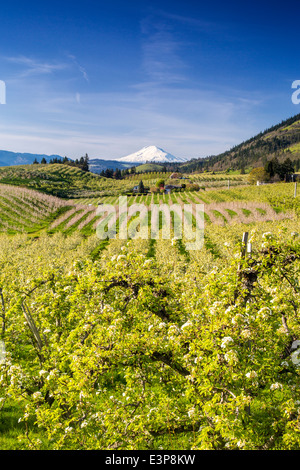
[151, 154]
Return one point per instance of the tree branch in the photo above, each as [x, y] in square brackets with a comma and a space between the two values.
[168, 360]
[3, 313]
[32, 325]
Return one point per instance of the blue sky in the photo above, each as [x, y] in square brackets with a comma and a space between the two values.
[109, 77]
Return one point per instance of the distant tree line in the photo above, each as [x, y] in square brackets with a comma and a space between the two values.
[82, 162]
[273, 171]
[282, 170]
[110, 173]
[121, 174]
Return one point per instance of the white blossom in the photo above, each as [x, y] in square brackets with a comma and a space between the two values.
[285, 364]
[226, 341]
[275, 386]
[251, 375]
[231, 357]
[191, 412]
[264, 311]
[197, 359]
[246, 334]
[187, 324]
[229, 309]
[295, 357]
[237, 318]
[295, 344]
[174, 329]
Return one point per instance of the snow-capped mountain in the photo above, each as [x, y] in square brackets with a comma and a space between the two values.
[151, 154]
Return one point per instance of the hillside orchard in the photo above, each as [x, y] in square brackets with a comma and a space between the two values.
[142, 344]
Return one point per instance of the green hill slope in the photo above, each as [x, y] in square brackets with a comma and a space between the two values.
[25, 210]
[149, 167]
[60, 180]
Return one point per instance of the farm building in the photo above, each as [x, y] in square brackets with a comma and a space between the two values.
[169, 187]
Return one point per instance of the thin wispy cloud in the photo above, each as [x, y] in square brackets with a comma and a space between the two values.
[211, 28]
[35, 67]
[79, 67]
[204, 26]
[162, 59]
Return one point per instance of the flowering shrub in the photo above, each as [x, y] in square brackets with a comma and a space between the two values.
[118, 355]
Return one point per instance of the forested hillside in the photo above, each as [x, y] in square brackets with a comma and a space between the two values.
[281, 141]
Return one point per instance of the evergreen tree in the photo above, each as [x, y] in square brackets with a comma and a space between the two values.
[108, 173]
[85, 162]
[117, 174]
[287, 168]
[141, 188]
[283, 170]
[272, 167]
